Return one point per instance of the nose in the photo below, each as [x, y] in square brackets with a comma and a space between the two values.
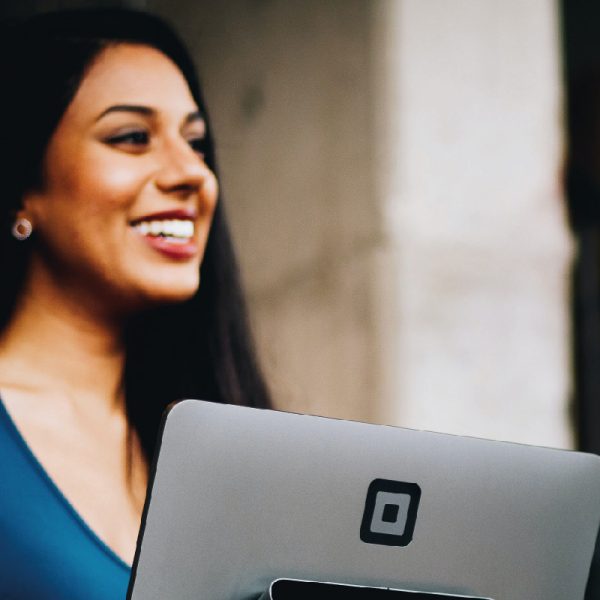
[181, 170]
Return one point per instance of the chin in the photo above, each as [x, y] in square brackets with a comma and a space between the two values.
[173, 295]
[169, 292]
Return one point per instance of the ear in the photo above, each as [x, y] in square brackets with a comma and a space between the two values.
[23, 214]
[29, 209]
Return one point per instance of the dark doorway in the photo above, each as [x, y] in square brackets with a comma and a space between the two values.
[581, 23]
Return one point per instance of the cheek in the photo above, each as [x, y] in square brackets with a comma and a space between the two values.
[85, 201]
[103, 189]
[82, 217]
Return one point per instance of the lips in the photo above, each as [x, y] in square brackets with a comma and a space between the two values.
[171, 233]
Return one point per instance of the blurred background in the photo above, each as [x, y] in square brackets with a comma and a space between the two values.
[414, 190]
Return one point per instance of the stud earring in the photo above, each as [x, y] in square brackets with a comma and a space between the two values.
[22, 229]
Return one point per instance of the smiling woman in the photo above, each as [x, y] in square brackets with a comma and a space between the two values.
[124, 179]
[119, 289]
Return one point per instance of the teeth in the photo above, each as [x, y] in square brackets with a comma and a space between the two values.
[173, 228]
[156, 227]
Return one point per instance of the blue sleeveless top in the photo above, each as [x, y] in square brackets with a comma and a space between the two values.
[46, 549]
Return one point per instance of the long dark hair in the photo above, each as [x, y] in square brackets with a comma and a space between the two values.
[201, 348]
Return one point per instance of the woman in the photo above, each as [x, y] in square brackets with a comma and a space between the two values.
[119, 290]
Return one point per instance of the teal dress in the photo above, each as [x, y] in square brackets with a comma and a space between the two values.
[46, 550]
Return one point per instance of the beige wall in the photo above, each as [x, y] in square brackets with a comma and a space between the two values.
[288, 83]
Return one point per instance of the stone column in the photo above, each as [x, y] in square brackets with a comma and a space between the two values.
[469, 147]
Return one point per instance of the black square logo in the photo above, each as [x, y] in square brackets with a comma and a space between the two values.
[390, 512]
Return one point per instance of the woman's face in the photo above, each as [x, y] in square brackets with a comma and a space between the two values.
[127, 200]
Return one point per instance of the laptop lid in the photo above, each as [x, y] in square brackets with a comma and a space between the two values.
[241, 497]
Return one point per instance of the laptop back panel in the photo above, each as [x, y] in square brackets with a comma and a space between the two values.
[241, 497]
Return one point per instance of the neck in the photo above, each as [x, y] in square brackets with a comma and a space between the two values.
[59, 345]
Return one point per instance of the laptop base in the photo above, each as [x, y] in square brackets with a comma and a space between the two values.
[294, 589]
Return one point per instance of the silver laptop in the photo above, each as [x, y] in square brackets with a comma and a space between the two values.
[243, 497]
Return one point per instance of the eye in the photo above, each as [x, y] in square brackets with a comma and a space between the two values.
[198, 145]
[136, 138]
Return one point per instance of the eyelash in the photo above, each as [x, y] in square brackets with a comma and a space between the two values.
[198, 145]
[142, 138]
[134, 138]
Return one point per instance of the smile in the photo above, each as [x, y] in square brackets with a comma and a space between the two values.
[176, 231]
[170, 233]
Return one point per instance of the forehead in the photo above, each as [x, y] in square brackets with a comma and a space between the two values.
[132, 74]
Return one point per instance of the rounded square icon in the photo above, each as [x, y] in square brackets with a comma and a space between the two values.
[390, 512]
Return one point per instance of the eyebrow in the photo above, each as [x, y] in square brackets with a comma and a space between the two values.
[130, 108]
[147, 112]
